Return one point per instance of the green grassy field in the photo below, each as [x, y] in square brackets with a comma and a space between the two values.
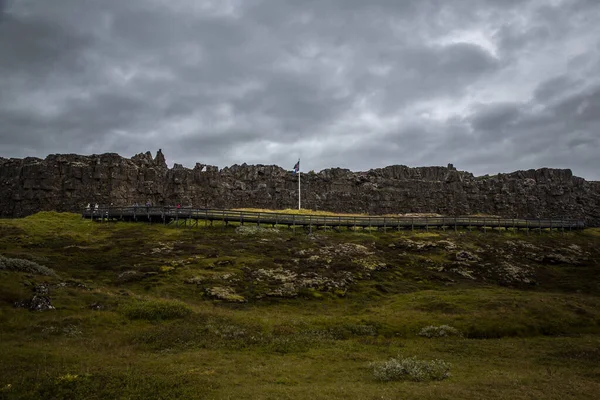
[153, 312]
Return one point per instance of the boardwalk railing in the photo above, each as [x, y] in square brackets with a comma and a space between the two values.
[170, 214]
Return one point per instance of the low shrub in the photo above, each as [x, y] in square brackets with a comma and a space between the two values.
[439, 331]
[410, 368]
[20, 265]
[155, 310]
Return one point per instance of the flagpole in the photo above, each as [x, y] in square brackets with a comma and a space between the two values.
[299, 184]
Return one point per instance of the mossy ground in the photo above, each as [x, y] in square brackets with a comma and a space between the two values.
[159, 337]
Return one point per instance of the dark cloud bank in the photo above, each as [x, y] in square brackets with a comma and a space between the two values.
[491, 86]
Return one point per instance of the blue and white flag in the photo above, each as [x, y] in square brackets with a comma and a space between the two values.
[297, 167]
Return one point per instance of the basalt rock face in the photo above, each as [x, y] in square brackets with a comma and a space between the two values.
[67, 182]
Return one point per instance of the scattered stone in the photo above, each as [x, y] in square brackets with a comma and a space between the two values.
[41, 299]
[131, 276]
[417, 246]
[22, 304]
[72, 284]
[42, 289]
[557, 258]
[466, 256]
[96, 307]
[164, 248]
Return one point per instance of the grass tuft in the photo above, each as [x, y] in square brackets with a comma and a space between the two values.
[155, 310]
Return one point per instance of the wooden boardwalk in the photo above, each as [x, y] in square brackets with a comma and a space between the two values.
[191, 216]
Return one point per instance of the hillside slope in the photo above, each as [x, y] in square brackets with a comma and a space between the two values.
[147, 311]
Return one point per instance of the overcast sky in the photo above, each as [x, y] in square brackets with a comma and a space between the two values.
[489, 85]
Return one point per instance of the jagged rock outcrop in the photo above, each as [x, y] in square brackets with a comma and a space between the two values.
[67, 182]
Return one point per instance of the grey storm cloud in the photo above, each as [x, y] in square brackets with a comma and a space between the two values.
[489, 85]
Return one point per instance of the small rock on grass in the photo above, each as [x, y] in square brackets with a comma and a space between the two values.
[40, 300]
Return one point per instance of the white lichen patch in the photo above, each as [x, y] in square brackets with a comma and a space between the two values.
[225, 293]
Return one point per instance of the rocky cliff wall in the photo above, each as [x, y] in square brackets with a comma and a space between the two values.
[66, 182]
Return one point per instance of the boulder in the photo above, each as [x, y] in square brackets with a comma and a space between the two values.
[40, 300]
